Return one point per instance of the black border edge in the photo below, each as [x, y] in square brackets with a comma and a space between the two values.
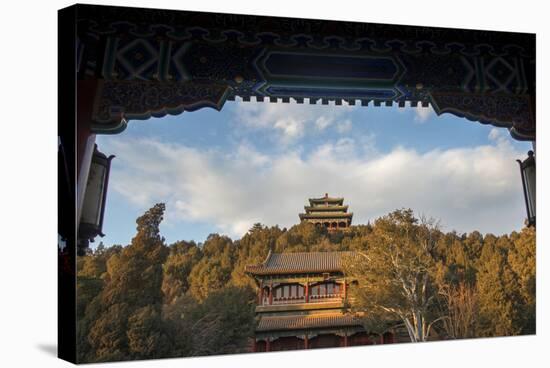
[66, 125]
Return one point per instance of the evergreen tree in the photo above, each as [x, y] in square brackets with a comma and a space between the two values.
[177, 268]
[133, 292]
[224, 322]
[522, 260]
[498, 291]
[253, 248]
[300, 238]
[213, 271]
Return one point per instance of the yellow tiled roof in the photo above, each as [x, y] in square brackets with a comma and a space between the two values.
[326, 208]
[312, 201]
[303, 262]
[273, 323]
[327, 214]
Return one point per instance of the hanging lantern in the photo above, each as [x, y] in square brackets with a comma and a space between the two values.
[528, 179]
[93, 208]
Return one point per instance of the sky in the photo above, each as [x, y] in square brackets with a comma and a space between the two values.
[223, 171]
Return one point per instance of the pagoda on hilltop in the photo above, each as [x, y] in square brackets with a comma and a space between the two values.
[328, 212]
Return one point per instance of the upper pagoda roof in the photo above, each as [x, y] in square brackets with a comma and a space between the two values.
[302, 262]
[326, 199]
[326, 208]
[325, 215]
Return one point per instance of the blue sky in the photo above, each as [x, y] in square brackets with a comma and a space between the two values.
[259, 162]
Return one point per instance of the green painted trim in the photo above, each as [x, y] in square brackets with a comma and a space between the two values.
[112, 128]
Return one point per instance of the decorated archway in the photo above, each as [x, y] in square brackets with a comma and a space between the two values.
[146, 62]
[138, 63]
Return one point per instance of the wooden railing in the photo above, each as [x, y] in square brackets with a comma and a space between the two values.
[323, 298]
[290, 300]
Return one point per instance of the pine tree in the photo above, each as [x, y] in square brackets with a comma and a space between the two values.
[224, 322]
[252, 248]
[177, 268]
[522, 260]
[133, 291]
[213, 271]
[498, 291]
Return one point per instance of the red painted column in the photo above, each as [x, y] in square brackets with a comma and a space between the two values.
[86, 95]
[346, 339]
[261, 296]
[345, 290]
[267, 345]
[381, 339]
[307, 292]
[85, 139]
[270, 295]
[255, 346]
[306, 342]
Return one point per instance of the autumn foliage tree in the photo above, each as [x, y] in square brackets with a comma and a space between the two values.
[395, 273]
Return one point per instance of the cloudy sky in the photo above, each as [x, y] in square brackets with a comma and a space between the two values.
[259, 162]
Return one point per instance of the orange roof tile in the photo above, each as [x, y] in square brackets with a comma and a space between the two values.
[297, 322]
[303, 262]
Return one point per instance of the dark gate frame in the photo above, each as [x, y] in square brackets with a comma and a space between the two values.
[130, 63]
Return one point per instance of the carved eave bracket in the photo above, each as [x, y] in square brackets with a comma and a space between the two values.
[509, 111]
[120, 101]
[151, 63]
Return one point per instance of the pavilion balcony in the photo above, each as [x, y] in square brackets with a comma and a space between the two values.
[290, 300]
[327, 304]
[325, 298]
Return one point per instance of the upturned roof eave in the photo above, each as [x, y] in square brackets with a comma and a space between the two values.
[268, 272]
[282, 323]
[323, 200]
[326, 216]
[327, 208]
[316, 263]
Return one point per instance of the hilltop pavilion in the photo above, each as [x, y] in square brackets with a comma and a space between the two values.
[329, 212]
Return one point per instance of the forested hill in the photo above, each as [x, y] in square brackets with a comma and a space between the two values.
[153, 300]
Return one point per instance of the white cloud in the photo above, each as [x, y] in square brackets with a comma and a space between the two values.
[467, 188]
[422, 114]
[344, 126]
[499, 136]
[495, 134]
[322, 122]
[291, 121]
